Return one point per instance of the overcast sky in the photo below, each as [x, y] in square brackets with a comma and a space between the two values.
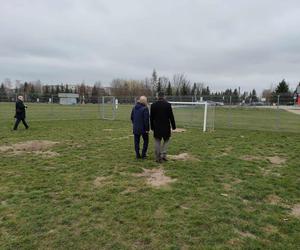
[223, 43]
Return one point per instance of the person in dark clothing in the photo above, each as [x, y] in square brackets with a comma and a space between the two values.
[20, 113]
[161, 115]
[140, 122]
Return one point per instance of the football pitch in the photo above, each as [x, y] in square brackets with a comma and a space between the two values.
[72, 182]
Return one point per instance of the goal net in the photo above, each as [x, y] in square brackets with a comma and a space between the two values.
[195, 114]
[108, 107]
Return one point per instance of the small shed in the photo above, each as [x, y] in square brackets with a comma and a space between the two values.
[68, 98]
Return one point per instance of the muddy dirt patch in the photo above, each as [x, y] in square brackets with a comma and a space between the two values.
[250, 158]
[37, 147]
[273, 199]
[270, 229]
[47, 154]
[122, 137]
[245, 234]
[296, 210]
[156, 177]
[179, 130]
[101, 181]
[276, 160]
[183, 157]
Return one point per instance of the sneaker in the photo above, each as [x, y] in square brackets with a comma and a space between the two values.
[164, 159]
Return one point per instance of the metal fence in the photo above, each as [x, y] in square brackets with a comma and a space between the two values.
[278, 113]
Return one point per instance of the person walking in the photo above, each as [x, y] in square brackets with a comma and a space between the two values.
[161, 116]
[20, 113]
[140, 122]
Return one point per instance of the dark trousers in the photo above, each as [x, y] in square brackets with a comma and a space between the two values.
[18, 120]
[137, 138]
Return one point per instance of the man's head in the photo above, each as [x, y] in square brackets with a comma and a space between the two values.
[143, 100]
[20, 98]
[161, 95]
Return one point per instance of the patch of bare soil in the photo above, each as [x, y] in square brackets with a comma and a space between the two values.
[227, 187]
[225, 152]
[156, 177]
[129, 190]
[37, 147]
[296, 210]
[270, 229]
[273, 199]
[245, 234]
[250, 158]
[122, 137]
[183, 157]
[179, 130]
[47, 154]
[276, 160]
[100, 181]
[269, 172]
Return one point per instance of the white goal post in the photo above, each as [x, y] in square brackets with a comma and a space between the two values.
[185, 105]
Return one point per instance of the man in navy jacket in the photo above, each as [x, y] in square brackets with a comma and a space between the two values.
[140, 122]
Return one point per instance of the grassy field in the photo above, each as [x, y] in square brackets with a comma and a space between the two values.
[78, 186]
[262, 119]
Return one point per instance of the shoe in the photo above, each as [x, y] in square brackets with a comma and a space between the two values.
[164, 159]
[138, 157]
[144, 157]
[27, 127]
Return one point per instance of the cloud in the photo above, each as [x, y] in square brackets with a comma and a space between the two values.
[225, 43]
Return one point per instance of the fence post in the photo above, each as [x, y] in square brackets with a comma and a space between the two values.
[278, 113]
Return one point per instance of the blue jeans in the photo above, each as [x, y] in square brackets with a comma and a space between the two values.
[137, 138]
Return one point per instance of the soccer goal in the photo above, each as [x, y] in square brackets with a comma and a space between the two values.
[195, 114]
[108, 107]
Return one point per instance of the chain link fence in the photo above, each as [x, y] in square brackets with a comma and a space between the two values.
[276, 113]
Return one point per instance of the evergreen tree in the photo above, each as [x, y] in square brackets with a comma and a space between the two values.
[169, 89]
[95, 94]
[235, 96]
[3, 94]
[254, 96]
[185, 89]
[194, 89]
[282, 87]
[154, 81]
[158, 88]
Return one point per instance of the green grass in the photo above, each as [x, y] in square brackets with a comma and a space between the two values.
[262, 119]
[54, 204]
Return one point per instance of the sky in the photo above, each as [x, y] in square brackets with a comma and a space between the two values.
[225, 44]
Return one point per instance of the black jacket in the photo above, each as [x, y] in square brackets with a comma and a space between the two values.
[20, 110]
[140, 119]
[161, 115]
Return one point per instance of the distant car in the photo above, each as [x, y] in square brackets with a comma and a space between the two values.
[219, 103]
[257, 104]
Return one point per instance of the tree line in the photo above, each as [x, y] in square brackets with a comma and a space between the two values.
[178, 85]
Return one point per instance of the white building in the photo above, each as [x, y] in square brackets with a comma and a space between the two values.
[68, 98]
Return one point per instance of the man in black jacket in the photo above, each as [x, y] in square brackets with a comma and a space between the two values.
[161, 115]
[20, 113]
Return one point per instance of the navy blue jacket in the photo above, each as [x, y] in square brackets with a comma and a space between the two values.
[140, 119]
